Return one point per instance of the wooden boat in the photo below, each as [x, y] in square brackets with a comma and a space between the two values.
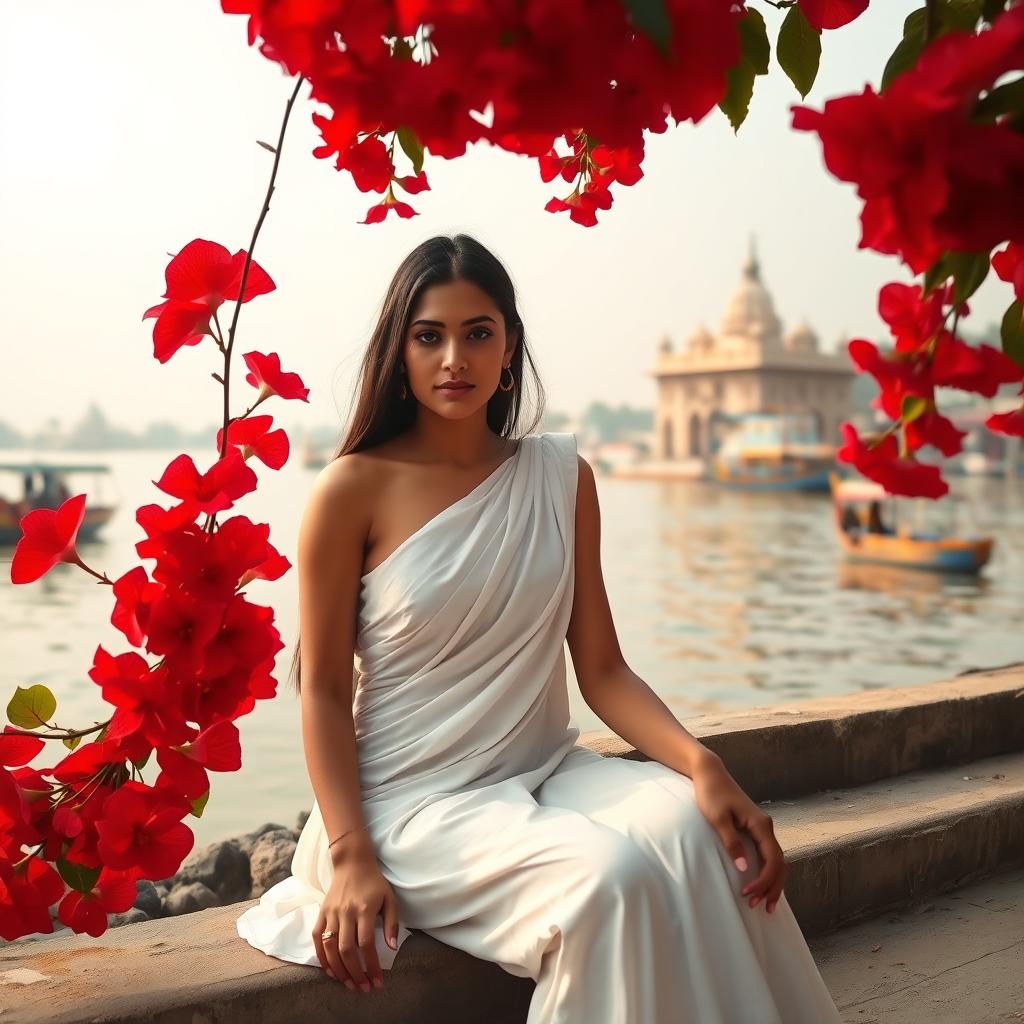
[869, 528]
[773, 451]
[45, 485]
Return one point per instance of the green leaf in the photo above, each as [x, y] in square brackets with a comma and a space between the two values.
[30, 708]
[991, 9]
[912, 407]
[740, 87]
[71, 742]
[969, 269]
[412, 147]
[78, 876]
[754, 41]
[650, 17]
[904, 57]
[960, 15]
[936, 274]
[199, 804]
[1004, 99]
[1012, 332]
[755, 52]
[799, 50]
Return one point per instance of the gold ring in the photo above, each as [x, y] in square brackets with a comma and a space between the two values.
[326, 935]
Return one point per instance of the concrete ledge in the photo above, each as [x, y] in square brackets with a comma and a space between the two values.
[865, 846]
[789, 750]
[195, 969]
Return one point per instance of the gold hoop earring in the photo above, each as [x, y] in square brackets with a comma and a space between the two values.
[511, 381]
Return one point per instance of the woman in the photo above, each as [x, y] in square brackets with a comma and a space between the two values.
[452, 563]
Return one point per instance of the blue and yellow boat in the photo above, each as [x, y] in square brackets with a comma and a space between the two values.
[773, 451]
[870, 528]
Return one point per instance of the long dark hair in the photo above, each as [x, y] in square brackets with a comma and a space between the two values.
[380, 412]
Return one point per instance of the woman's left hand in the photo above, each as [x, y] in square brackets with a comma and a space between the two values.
[729, 810]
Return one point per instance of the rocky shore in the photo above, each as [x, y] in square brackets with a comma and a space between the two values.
[231, 870]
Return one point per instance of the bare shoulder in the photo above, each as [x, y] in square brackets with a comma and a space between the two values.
[586, 485]
[343, 496]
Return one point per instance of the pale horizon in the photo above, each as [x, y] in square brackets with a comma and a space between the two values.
[130, 129]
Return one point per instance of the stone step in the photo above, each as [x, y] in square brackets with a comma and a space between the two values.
[955, 957]
[790, 750]
[852, 853]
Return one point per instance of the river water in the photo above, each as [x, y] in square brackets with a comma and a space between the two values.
[721, 599]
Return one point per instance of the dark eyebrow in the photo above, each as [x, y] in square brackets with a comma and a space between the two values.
[465, 323]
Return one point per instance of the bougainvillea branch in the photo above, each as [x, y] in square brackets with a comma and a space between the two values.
[81, 833]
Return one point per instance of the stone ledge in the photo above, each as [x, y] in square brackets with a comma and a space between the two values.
[789, 750]
[193, 969]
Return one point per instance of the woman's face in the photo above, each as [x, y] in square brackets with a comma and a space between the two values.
[456, 332]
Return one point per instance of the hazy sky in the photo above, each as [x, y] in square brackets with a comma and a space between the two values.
[127, 128]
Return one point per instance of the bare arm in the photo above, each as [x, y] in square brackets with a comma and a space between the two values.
[330, 556]
[331, 540]
[611, 689]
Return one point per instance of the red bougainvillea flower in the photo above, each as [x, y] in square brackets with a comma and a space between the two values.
[146, 699]
[217, 748]
[213, 491]
[26, 895]
[133, 594]
[980, 369]
[114, 893]
[376, 214]
[142, 829]
[48, 536]
[367, 161]
[1007, 422]
[254, 436]
[266, 374]
[208, 566]
[882, 463]
[180, 628]
[16, 749]
[528, 69]
[914, 319]
[200, 279]
[931, 179]
[1008, 263]
[413, 183]
[273, 567]
[832, 13]
[160, 523]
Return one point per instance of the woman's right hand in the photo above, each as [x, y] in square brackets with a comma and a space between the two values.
[357, 894]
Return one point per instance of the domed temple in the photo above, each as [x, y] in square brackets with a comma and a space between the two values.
[750, 366]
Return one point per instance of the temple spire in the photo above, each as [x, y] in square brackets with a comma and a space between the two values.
[752, 268]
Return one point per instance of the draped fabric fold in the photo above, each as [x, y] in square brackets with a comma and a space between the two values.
[460, 672]
[599, 878]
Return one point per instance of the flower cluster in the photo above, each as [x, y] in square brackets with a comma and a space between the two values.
[581, 72]
[204, 653]
[938, 160]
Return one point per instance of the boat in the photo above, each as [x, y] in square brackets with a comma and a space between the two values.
[874, 526]
[46, 485]
[773, 451]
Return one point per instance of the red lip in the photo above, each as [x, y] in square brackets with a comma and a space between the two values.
[455, 385]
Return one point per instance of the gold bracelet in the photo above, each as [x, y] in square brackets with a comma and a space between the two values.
[343, 834]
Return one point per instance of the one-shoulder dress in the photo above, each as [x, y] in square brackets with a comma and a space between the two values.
[597, 877]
